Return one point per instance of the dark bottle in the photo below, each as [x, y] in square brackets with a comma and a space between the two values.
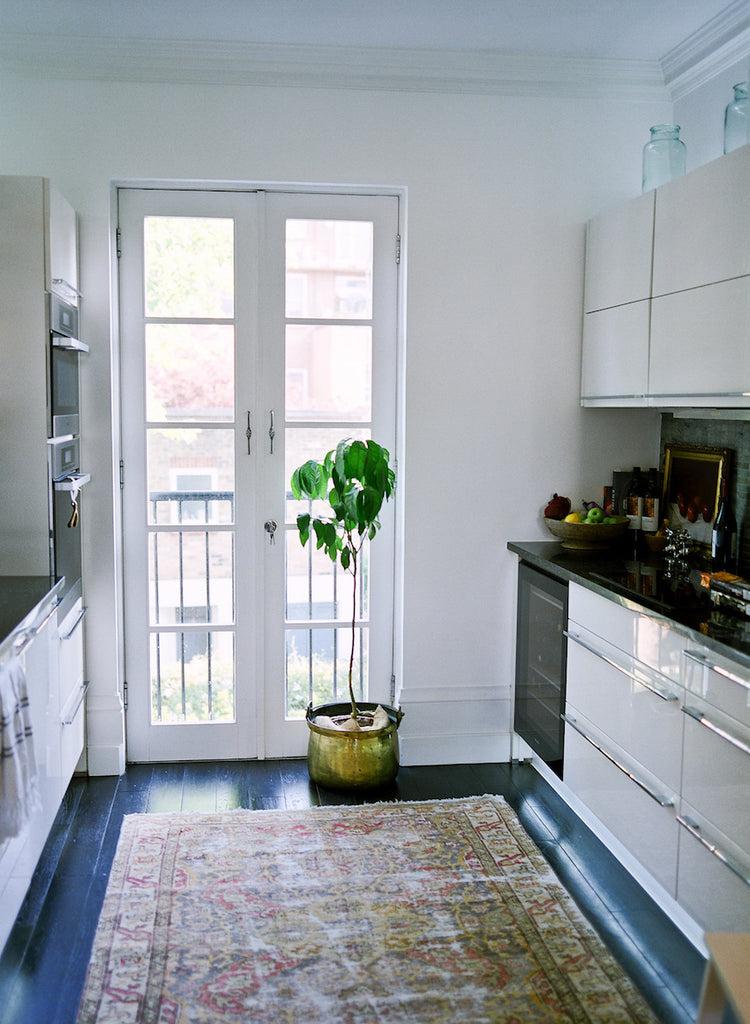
[650, 521]
[724, 536]
[634, 510]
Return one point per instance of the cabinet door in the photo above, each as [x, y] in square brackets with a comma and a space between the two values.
[72, 689]
[618, 254]
[702, 225]
[713, 880]
[699, 341]
[62, 237]
[636, 812]
[628, 703]
[614, 362]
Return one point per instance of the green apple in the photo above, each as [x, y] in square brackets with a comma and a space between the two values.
[595, 515]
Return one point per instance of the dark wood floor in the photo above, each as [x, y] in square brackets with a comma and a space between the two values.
[43, 966]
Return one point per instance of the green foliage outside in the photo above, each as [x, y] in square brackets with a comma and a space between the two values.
[196, 692]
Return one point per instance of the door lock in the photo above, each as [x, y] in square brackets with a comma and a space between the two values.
[270, 527]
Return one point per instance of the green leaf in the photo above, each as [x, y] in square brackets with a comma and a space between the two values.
[303, 525]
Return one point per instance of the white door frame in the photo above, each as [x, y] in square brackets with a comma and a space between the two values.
[400, 192]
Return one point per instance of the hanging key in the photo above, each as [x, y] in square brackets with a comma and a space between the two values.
[270, 527]
[73, 521]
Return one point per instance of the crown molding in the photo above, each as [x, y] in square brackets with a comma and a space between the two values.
[408, 70]
[721, 43]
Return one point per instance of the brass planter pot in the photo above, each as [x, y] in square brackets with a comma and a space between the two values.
[352, 760]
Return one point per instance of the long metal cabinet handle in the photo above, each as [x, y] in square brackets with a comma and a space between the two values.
[248, 433]
[28, 635]
[70, 717]
[694, 829]
[271, 429]
[75, 625]
[703, 661]
[660, 798]
[701, 719]
[656, 690]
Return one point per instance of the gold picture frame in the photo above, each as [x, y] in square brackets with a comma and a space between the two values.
[692, 487]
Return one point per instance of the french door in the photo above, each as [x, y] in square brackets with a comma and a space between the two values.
[257, 329]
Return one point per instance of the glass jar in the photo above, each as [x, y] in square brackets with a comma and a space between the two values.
[664, 156]
[737, 119]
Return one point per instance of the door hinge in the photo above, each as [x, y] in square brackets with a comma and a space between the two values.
[398, 248]
[125, 694]
[393, 687]
[122, 475]
[118, 242]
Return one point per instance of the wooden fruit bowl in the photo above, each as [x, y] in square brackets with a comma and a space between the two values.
[587, 536]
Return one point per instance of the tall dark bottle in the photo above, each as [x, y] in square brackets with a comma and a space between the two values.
[724, 535]
[634, 510]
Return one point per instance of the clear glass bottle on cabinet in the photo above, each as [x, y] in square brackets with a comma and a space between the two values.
[664, 156]
[737, 119]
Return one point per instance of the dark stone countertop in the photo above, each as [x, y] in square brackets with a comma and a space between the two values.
[643, 586]
[19, 597]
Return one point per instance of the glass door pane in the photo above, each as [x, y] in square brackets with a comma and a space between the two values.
[189, 364]
[328, 374]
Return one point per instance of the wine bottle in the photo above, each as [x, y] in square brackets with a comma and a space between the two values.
[724, 535]
[634, 510]
[650, 519]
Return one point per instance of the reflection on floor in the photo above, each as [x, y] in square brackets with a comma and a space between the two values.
[43, 966]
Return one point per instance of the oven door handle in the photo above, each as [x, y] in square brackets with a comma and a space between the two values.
[72, 482]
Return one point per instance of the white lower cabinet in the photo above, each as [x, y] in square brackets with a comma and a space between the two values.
[628, 799]
[657, 746]
[72, 689]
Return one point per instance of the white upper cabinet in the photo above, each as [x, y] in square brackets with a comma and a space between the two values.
[702, 225]
[617, 303]
[61, 257]
[618, 255]
[685, 341]
[699, 345]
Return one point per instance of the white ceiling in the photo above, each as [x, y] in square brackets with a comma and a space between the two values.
[649, 49]
[625, 29]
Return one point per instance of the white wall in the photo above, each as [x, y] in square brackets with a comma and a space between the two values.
[499, 190]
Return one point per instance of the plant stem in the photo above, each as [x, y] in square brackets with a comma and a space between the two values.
[354, 619]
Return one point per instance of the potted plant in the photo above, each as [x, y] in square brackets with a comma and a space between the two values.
[350, 746]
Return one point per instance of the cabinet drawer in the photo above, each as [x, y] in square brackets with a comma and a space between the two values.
[70, 652]
[652, 642]
[636, 812]
[628, 703]
[718, 681]
[713, 878]
[716, 769]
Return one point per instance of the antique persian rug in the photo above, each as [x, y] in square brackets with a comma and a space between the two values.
[424, 912]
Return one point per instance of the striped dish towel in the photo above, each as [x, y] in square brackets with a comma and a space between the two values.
[19, 789]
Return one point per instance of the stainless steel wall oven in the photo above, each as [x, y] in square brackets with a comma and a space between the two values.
[63, 427]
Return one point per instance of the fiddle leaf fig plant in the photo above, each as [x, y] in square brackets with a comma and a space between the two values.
[354, 479]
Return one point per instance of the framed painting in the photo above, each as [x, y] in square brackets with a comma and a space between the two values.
[692, 487]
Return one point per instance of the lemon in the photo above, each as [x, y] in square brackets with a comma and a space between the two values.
[574, 517]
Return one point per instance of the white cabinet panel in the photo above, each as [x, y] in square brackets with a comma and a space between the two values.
[645, 827]
[702, 225]
[615, 351]
[699, 341]
[713, 879]
[618, 254]
[646, 638]
[634, 707]
[61, 266]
